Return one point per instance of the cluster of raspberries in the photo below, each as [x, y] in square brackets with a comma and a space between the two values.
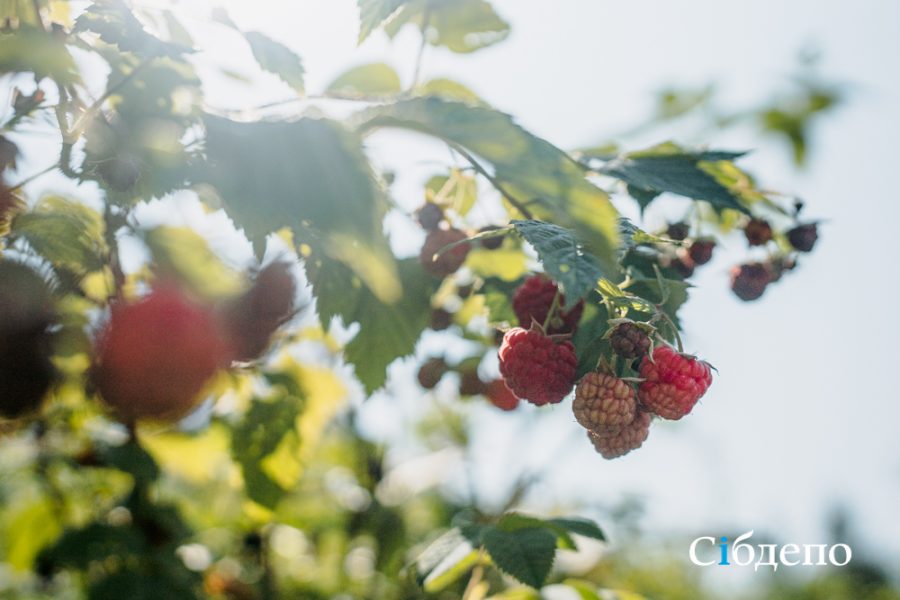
[540, 367]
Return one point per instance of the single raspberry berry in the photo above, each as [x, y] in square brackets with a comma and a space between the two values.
[683, 264]
[803, 237]
[252, 318]
[470, 384]
[678, 231]
[440, 320]
[629, 341]
[604, 403]
[431, 372]
[536, 367]
[758, 232]
[701, 251]
[672, 383]
[154, 356]
[533, 299]
[630, 437]
[429, 216]
[448, 262]
[501, 396]
[491, 243]
[749, 281]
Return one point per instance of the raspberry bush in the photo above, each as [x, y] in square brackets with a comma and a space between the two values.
[179, 423]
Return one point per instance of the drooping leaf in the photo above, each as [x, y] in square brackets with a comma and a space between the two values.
[66, 233]
[114, 22]
[277, 58]
[579, 526]
[563, 256]
[387, 331]
[309, 175]
[449, 90]
[543, 178]
[375, 79]
[372, 13]
[526, 554]
[668, 168]
[459, 25]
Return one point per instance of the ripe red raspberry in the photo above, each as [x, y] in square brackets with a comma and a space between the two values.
[629, 341]
[672, 383]
[154, 356]
[501, 396]
[758, 232]
[251, 319]
[803, 237]
[431, 372]
[533, 300]
[536, 367]
[749, 281]
[604, 403]
[701, 251]
[429, 216]
[448, 262]
[624, 440]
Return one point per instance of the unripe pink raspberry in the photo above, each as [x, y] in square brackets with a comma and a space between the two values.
[604, 403]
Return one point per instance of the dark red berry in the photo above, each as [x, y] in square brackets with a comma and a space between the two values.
[701, 251]
[431, 372]
[429, 216]
[491, 243]
[683, 264]
[629, 341]
[440, 320]
[758, 232]
[803, 237]
[450, 260]
[749, 281]
[678, 231]
[470, 384]
[533, 300]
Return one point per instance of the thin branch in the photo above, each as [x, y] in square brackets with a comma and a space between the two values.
[426, 17]
[34, 176]
[94, 108]
[518, 204]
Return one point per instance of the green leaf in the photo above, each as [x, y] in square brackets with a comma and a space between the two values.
[526, 554]
[181, 252]
[78, 548]
[372, 13]
[277, 58]
[540, 175]
[449, 90]
[437, 552]
[579, 526]
[31, 50]
[66, 233]
[458, 25]
[309, 175]
[376, 79]
[668, 168]
[563, 257]
[589, 339]
[130, 458]
[29, 530]
[114, 22]
[257, 436]
[387, 331]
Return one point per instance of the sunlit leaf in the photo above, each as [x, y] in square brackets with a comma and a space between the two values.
[277, 58]
[460, 25]
[375, 79]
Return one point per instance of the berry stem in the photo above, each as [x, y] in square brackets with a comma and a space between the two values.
[672, 326]
[553, 308]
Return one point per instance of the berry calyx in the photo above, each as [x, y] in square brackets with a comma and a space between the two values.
[429, 216]
[604, 403]
[673, 383]
[536, 367]
[431, 372]
[629, 341]
[501, 396]
[630, 437]
[701, 251]
[155, 355]
[803, 237]
[758, 232]
[451, 260]
[749, 281]
[533, 300]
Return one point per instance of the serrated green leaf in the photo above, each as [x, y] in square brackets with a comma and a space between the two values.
[668, 168]
[526, 554]
[66, 233]
[540, 175]
[31, 50]
[257, 436]
[114, 22]
[375, 79]
[563, 256]
[309, 175]
[437, 552]
[372, 13]
[460, 26]
[277, 58]
[589, 339]
[387, 331]
[579, 526]
[449, 90]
